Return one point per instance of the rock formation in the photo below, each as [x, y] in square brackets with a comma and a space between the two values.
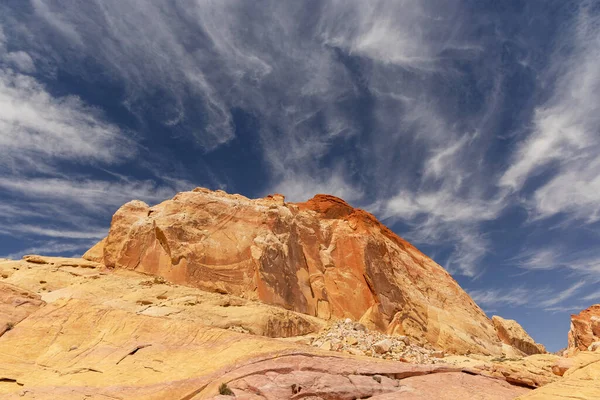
[16, 304]
[513, 334]
[322, 258]
[581, 380]
[585, 329]
[315, 300]
[118, 334]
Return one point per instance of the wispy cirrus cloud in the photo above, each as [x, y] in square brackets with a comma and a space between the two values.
[566, 133]
[40, 135]
[52, 247]
[543, 297]
[582, 262]
[514, 297]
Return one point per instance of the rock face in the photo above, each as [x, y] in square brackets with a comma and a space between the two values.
[585, 329]
[581, 380]
[119, 334]
[15, 305]
[322, 258]
[298, 377]
[511, 333]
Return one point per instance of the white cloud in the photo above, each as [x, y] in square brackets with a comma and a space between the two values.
[566, 128]
[90, 194]
[38, 128]
[302, 188]
[530, 297]
[52, 247]
[57, 233]
[451, 203]
[40, 134]
[592, 296]
[563, 295]
[400, 32]
[20, 60]
[543, 259]
[584, 263]
[513, 297]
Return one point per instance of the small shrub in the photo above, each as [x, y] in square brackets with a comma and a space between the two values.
[9, 326]
[224, 390]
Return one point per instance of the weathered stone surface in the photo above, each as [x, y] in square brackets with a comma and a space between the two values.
[383, 346]
[562, 365]
[302, 377]
[74, 349]
[96, 253]
[532, 371]
[510, 332]
[452, 386]
[595, 346]
[15, 305]
[322, 258]
[63, 278]
[585, 329]
[581, 381]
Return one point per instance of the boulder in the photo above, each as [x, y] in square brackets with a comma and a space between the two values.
[510, 332]
[562, 365]
[322, 258]
[383, 346]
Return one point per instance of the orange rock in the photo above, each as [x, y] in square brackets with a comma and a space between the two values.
[510, 332]
[96, 253]
[323, 258]
[585, 329]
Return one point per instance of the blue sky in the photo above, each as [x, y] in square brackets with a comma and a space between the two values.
[471, 128]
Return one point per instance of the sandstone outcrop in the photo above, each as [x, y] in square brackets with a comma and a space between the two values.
[510, 332]
[585, 329]
[581, 380]
[15, 305]
[322, 258]
[123, 335]
[54, 279]
[96, 253]
[345, 379]
[532, 371]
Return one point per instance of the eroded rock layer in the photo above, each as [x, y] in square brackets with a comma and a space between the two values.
[512, 333]
[96, 333]
[322, 258]
[585, 329]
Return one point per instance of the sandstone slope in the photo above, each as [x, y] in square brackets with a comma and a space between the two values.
[115, 334]
[580, 381]
[322, 258]
[15, 305]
